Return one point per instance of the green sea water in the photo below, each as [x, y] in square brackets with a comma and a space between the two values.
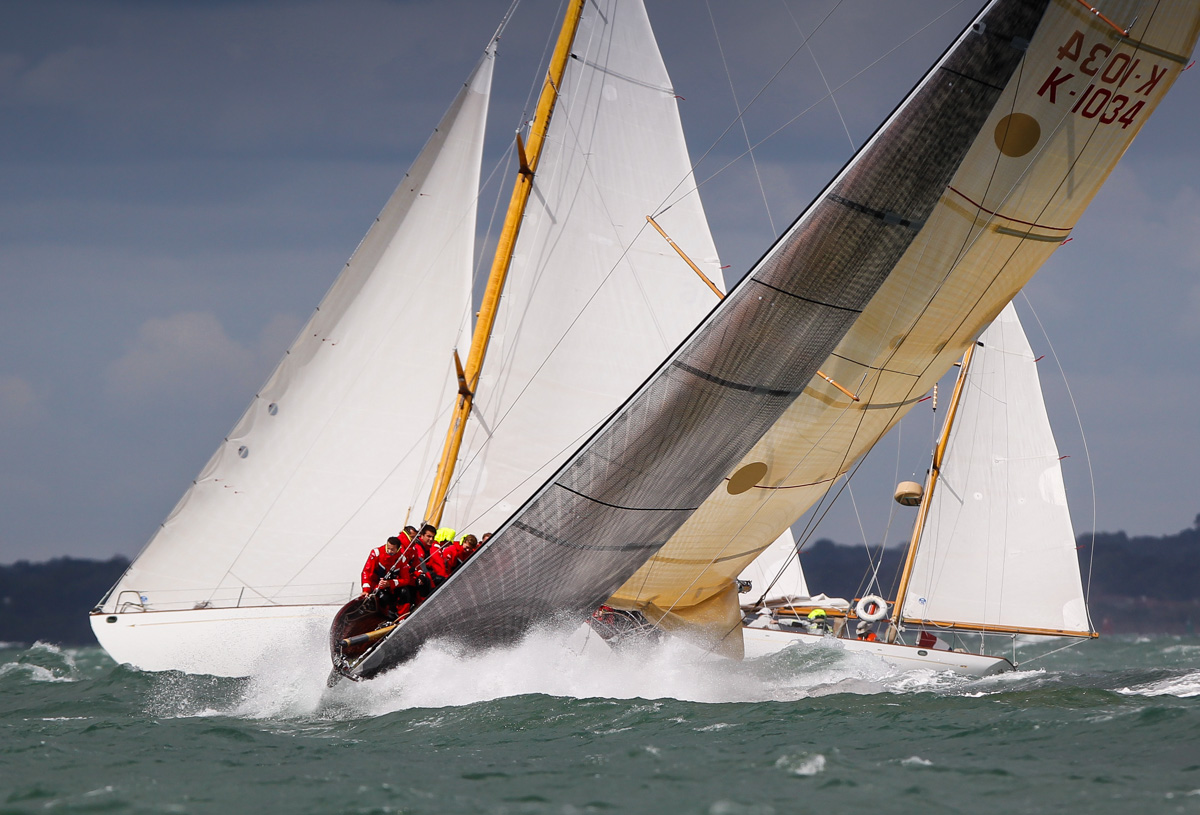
[1107, 726]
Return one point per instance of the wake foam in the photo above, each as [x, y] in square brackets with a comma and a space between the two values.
[552, 662]
[571, 664]
[1184, 686]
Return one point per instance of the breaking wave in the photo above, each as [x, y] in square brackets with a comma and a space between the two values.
[557, 664]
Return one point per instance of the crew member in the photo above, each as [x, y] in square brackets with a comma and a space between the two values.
[818, 620]
[437, 563]
[423, 552]
[424, 541]
[454, 554]
[388, 574]
[864, 631]
[470, 545]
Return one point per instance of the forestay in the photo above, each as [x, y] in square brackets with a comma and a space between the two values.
[595, 298]
[997, 548]
[1081, 92]
[338, 441]
[775, 575]
[630, 488]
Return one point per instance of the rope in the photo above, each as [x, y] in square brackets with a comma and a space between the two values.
[1070, 644]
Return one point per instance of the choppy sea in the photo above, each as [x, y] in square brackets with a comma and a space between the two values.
[1106, 726]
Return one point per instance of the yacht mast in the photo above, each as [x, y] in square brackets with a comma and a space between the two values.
[939, 453]
[529, 156]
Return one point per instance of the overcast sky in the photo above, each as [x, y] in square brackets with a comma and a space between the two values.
[183, 180]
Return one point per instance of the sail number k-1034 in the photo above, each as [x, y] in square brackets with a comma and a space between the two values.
[1118, 80]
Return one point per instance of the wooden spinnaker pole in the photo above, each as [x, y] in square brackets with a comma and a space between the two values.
[721, 295]
[934, 471]
[529, 154]
[712, 286]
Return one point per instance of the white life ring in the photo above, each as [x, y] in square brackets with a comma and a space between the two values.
[871, 608]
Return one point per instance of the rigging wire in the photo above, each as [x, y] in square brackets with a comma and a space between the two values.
[954, 265]
[664, 208]
[1073, 641]
[805, 39]
[1083, 437]
[803, 112]
[824, 80]
[876, 560]
[500, 165]
[970, 240]
[856, 468]
[814, 518]
[741, 120]
[762, 190]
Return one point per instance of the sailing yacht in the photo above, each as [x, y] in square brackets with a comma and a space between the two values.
[993, 550]
[874, 291]
[338, 449]
[630, 442]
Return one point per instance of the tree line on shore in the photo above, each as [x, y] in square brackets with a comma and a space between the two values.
[1142, 585]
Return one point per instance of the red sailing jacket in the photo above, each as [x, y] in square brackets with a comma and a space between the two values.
[437, 565]
[453, 556]
[379, 562]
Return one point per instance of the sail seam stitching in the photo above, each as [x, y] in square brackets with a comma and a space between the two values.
[560, 542]
[757, 390]
[893, 218]
[973, 78]
[808, 299]
[619, 506]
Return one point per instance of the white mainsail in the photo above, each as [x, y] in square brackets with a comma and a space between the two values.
[997, 549]
[343, 435]
[595, 297]
[343, 440]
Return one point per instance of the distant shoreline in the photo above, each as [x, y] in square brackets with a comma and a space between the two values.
[1139, 585]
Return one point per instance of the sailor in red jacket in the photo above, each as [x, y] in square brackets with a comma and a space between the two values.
[423, 543]
[389, 572]
[455, 553]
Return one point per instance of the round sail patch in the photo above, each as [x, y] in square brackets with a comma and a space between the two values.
[1017, 134]
[746, 478]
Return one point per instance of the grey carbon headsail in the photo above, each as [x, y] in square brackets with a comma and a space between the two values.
[622, 495]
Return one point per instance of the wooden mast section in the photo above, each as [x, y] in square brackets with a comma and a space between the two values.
[934, 471]
[529, 156]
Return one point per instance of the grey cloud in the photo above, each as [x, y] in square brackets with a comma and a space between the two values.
[182, 181]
